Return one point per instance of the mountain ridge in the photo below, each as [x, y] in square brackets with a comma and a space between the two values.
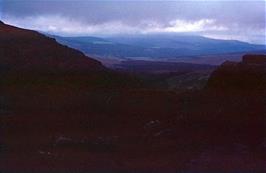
[157, 47]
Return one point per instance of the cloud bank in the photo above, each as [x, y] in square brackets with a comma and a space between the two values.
[242, 20]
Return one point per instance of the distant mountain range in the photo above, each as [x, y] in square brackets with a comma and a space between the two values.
[160, 47]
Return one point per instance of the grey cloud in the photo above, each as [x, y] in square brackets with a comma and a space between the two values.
[244, 15]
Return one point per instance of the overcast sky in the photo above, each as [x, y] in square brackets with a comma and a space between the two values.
[225, 19]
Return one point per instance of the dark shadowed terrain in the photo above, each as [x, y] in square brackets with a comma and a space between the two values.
[64, 112]
[168, 75]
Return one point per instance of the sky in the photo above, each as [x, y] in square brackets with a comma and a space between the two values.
[223, 19]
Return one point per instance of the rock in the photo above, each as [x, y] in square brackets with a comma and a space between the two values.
[254, 59]
[250, 74]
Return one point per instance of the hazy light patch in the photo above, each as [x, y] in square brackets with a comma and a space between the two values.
[195, 26]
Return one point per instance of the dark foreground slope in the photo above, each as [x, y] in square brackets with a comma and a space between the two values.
[56, 117]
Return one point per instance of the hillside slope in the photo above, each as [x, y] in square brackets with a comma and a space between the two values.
[28, 50]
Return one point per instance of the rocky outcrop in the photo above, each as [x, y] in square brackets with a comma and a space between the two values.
[254, 59]
[250, 74]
